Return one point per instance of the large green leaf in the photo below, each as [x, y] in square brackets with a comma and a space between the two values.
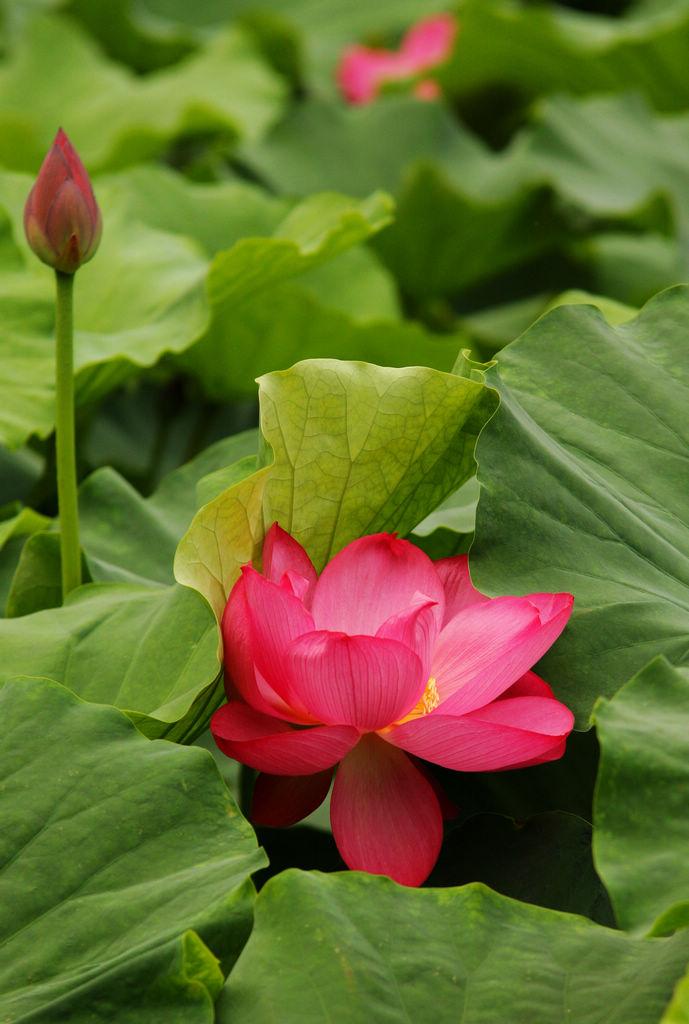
[356, 449]
[376, 952]
[125, 867]
[151, 651]
[610, 154]
[641, 822]
[361, 448]
[583, 482]
[116, 118]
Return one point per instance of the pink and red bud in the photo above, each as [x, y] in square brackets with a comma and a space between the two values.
[61, 218]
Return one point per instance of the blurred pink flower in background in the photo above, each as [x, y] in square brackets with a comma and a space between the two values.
[385, 655]
[362, 71]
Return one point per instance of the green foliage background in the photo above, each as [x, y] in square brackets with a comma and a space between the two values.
[294, 314]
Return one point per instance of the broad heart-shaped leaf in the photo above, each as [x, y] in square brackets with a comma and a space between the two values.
[583, 488]
[151, 651]
[380, 952]
[117, 118]
[114, 852]
[356, 449]
[361, 448]
[641, 825]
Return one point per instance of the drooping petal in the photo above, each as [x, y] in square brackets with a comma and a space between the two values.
[364, 681]
[417, 628]
[460, 593]
[240, 670]
[384, 814]
[503, 734]
[489, 646]
[282, 553]
[282, 800]
[273, 746]
[370, 580]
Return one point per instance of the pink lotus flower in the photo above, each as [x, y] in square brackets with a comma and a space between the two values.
[362, 71]
[385, 655]
[61, 218]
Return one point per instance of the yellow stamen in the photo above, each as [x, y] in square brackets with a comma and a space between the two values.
[431, 698]
[429, 702]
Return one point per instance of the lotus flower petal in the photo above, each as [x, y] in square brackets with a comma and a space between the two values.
[503, 734]
[487, 647]
[460, 592]
[283, 554]
[282, 800]
[363, 681]
[273, 746]
[369, 581]
[384, 814]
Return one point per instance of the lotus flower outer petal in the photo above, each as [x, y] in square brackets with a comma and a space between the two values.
[385, 816]
[282, 800]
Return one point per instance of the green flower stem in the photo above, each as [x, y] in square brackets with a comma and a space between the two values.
[64, 435]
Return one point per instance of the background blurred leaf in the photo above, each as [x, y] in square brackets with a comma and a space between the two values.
[115, 849]
[578, 52]
[313, 232]
[132, 539]
[257, 337]
[115, 118]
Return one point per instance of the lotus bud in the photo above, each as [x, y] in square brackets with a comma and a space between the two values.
[61, 218]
